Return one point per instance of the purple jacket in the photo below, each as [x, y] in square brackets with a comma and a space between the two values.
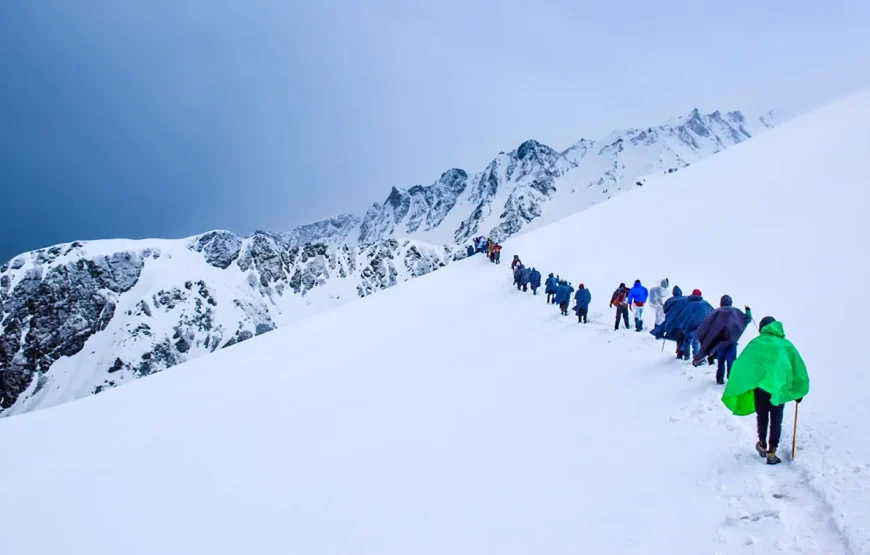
[721, 328]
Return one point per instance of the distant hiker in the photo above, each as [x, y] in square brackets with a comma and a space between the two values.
[657, 297]
[563, 296]
[534, 281]
[516, 262]
[496, 253]
[718, 336]
[518, 276]
[676, 299]
[470, 251]
[693, 315]
[637, 297]
[525, 276]
[489, 244]
[583, 297]
[670, 329]
[481, 244]
[561, 291]
[550, 287]
[620, 301]
[768, 373]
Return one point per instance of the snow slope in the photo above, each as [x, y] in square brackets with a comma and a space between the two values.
[453, 414]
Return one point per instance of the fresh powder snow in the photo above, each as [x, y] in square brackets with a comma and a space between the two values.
[454, 414]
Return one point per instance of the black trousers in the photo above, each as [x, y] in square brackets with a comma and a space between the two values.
[621, 311]
[563, 306]
[551, 297]
[582, 313]
[766, 412]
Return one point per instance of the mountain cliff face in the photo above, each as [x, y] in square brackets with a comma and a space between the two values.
[82, 317]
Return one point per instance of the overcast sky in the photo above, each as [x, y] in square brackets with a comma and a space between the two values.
[166, 118]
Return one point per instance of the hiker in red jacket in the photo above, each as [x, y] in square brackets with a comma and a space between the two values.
[620, 301]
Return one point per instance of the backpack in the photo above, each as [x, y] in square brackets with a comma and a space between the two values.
[619, 297]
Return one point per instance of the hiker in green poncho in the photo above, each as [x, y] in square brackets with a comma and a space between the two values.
[768, 374]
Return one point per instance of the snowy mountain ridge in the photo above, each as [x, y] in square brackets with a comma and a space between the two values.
[85, 316]
[535, 184]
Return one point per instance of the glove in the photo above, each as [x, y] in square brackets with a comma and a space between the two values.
[798, 400]
[746, 307]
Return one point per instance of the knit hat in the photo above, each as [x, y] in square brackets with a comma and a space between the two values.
[726, 301]
[581, 286]
[622, 284]
[696, 292]
[764, 321]
[637, 282]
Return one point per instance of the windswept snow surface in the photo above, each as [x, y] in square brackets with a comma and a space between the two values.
[453, 414]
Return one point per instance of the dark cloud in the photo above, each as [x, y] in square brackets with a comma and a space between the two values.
[158, 118]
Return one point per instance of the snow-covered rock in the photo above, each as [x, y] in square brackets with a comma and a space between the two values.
[330, 231]
[79, 318]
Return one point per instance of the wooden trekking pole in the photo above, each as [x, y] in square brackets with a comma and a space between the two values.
[794, 432]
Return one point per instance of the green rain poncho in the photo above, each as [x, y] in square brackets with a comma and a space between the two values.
[769, 362]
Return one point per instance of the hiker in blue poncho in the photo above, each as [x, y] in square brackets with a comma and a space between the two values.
[669, 329]
[583, 297]
[566, 299]
[691, 317]
[517, 274]
[525, 276]
[563, 296]
[637, 296]
[550, 288]
[534, 280]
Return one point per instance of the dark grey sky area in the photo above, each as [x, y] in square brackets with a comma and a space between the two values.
[157, 118]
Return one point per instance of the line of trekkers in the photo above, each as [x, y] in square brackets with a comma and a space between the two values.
[768, 373]
[485, 245]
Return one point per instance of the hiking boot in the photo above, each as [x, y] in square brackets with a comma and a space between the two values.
[720, 381]
[772, 458]
[761, 448]
[711, 360]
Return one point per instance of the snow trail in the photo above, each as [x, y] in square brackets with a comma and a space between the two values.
[762, 502]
